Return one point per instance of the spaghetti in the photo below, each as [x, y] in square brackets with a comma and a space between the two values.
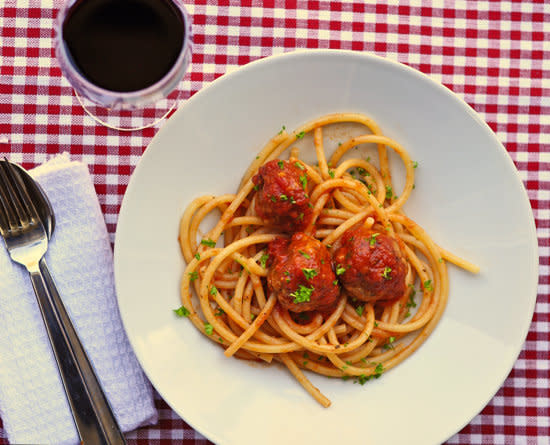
[235, 304]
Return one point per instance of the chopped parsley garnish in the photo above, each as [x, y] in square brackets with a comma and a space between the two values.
[263, 259]
[389, 192]
[428, 285]
[273, 198]
[292, 200]
[310, 273]
[415, 164]
[389, 344]
[198, 256]
[193, 276]
[331, 173]
[219, 312]
[305, 255]
[303, 181]
[386, 274]
[372, 240]
[378, 370]
[301, 216]
[362, 171]
[340, 269]
[300, 166]
[335, 282]
[213, 290]
[208, 328]
[300, 135]
[181, 311]
[208, 242]
[283, 198]
[281, 164]
[302, 294]
[282, 129]
[359, 310]
[256, 187]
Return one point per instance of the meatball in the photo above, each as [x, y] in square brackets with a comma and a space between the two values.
[301, 274]
[282, 198]
[370, 265]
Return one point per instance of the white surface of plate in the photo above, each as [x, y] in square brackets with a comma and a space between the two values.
[468, 196]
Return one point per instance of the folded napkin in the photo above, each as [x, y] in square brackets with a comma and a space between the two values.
[33, 405]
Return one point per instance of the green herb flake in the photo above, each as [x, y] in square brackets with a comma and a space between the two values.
[282, 129]
[303, 181]
[302, 294]
[305, 255]
[193, 276]
[310, 273]
[386, 274]
[281, 164]
[372, 240]
[300, 135]
[213, 290]
[415, 164]
[219, 312]
[263, 259]
[256, 187]
[208, 328]
[331, 173]
[359, 310]
[283, 198]
[292, 200]
[335, 282]
[340, 269]
[182, 311]
[300, 166]
[273, 198]
[389, 344]
[208, 242]
[198, 256]
[389, 192]
[428, 285]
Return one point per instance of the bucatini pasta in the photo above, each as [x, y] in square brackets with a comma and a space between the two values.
[315, 265]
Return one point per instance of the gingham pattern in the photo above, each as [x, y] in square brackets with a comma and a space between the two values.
[494, 54]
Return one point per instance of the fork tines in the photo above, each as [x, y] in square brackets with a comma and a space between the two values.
[16, 207]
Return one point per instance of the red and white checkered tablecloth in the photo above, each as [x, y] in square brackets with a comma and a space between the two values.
[493, 54]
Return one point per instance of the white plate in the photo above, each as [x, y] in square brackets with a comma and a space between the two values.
[468, 196]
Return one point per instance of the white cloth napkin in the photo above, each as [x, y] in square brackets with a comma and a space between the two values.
[33, 406]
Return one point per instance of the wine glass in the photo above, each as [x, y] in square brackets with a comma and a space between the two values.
[124, 58]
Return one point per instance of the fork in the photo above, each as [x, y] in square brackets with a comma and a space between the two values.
[27, 241]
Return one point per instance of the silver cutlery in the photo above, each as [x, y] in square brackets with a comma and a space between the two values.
[27, 222]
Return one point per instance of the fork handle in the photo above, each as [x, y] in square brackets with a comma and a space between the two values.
[92, 414]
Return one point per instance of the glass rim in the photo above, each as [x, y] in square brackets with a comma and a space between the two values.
[65, 58]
